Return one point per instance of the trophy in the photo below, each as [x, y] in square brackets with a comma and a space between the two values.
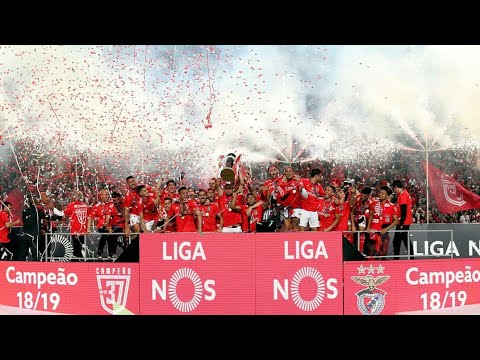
[228, 172]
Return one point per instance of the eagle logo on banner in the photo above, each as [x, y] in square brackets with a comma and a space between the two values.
[371, 301]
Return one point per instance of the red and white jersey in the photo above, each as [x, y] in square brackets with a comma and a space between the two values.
[209, 217]
[361, 208]
[230, 217]
[314, 192]
[77, 211]
[389, 210]
[288, 194]
[150, 209]
[184, 223]
[99, 213]
[375, 209]
[250, 223]
[326, 209]
[167, 194]
[132, 200]
[116, 215]
[270, 185]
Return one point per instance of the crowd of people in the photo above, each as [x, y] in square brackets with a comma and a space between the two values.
[319, 195]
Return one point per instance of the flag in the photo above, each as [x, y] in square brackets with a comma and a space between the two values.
[15, 196]
[449, 195]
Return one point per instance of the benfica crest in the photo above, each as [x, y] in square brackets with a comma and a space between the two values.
[370, 301]
[113, 290]
[450, 192]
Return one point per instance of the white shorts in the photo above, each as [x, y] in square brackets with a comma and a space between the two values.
[297, 212]
[309, 217]
[134, 219]
[149, 225]
[237, 229]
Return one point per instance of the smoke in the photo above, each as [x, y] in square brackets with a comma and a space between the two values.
[167, 109]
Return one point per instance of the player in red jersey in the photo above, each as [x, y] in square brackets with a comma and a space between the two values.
[165, 225]
[170, 191]
[132, 208]
[114, 219]
[232, 218]
[6, 223]
[311, 192]
[77, 211]
[359, 217]
[251, 212]
[289, 196]
[149, 214]
[212, 219]
[405, 217]
[186, 215]
[342, 196]
[328, 213]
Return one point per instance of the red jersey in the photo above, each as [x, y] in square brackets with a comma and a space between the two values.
[250, 223]
[150, 209]
[388, 212]
[270, 185]
[116, 215]
[404, 198]
[344, 210]
[230, 217]
[375, 209]
[314, 191]
[99, 211]
[327, 209]
[4, 231]
[132, 201]
[77, 211]
[167, 194]
[209, 217]
[361, 208]
[184, 223]
[288, 194]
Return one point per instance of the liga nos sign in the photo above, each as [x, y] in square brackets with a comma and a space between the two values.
[241, 274]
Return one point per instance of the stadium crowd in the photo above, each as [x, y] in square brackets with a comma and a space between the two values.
[267, 197]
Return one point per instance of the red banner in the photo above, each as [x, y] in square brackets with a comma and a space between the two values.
[299, 273]
[449, 195]
[241, 274]
[393, 287]
[69, 288]
[189, 273]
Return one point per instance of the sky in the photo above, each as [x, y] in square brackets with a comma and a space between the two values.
[173, 108]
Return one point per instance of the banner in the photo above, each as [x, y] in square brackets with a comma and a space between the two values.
[393, 287]
[299, 273]
[241, 274]
[30, 287]
[449, 195]
[193, 274]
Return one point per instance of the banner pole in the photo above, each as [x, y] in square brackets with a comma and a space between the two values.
[427, 189]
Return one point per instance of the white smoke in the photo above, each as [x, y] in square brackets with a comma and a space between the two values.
[144, 108]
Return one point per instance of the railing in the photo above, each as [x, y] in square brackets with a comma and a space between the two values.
[424, 244]
[89, 246]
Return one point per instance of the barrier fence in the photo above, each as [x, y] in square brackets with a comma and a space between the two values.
[300, 273]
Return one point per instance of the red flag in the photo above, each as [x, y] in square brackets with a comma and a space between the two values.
[15, 196]
[449, 195]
